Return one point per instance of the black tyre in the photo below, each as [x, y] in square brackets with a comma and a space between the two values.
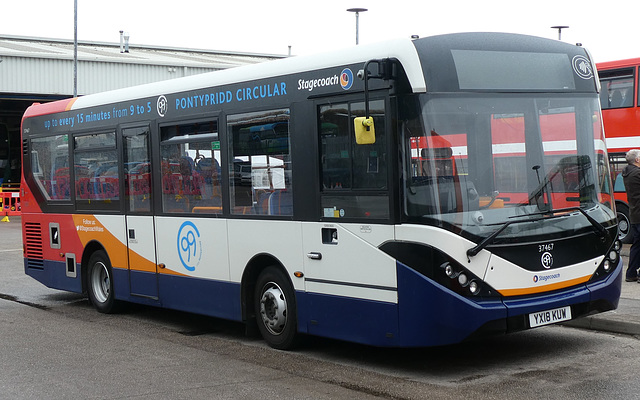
[100, 283]
[275, 308]
[624, 225]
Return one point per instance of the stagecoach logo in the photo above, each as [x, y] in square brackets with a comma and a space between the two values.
[189, 245]
[162, 105]
[346, 79]
[582, 67]
[546, 260]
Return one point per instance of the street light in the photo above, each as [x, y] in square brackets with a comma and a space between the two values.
[559, 28]
[75, 48]
[357, 11]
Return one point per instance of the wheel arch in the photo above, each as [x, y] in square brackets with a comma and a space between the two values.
[89, 249]
[622, 208]
[249, 278]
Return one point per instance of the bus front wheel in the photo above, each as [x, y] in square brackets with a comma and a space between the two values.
[275, 308]
[100, 283]
[624, 225]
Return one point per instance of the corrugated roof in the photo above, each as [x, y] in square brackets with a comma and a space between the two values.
[31, 65]
[33, 47]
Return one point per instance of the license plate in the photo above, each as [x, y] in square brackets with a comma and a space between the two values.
[549, 316]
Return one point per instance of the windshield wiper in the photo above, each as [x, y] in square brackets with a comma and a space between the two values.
[544, 215]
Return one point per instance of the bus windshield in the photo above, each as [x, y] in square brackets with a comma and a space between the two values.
[476, 162]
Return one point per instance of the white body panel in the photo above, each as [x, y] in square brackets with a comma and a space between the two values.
[207, 248]
[503, 275]
[353, 266]
[281, 239]
[115, 225]
[143, 243]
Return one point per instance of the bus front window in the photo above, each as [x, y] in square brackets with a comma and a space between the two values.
[474, 162]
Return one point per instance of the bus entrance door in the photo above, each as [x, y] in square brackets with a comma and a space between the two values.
[142, 256]
[141, 239]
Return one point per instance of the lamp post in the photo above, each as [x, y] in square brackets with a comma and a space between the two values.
[559, 28]
[75, 48]
[357, 11]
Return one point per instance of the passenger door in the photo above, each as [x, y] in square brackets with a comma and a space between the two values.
[139, 218]
[342, 258]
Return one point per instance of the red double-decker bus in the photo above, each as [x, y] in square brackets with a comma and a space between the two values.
[621, 118]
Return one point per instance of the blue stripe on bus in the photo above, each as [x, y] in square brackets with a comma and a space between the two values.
[368, 322]
[53, 274]
[203, 296]
[431, 315]
[610, 288]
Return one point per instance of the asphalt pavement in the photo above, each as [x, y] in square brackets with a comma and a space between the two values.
[625, 319]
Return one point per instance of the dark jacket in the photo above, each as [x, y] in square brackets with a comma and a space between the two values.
[631, 178]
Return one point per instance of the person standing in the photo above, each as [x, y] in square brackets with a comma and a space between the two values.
[631, 178]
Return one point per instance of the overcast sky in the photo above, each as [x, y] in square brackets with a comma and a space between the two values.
[308, 26]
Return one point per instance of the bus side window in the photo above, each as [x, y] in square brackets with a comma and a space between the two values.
[190, 168]
[260, 163]
[617, 88]
[97, 183]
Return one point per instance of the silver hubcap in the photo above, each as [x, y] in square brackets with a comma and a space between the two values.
[100, 282]
[273, 309]
[623, 226]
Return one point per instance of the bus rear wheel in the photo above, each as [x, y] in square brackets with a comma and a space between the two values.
[100, 283]
[275, 308]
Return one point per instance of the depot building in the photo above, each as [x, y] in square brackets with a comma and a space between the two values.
[38, 70]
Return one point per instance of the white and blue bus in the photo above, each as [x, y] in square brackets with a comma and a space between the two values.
[410, 193]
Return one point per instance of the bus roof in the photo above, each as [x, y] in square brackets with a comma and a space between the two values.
[629, 62]
[400, 49]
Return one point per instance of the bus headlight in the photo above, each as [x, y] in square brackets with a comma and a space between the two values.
[617, 245]
[474, 288]
[606, 266]
[449, 271]
[455, 277]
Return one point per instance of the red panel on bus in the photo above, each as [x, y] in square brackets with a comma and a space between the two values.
[49, 108]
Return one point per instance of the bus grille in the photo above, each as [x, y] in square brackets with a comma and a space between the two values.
[33, 245]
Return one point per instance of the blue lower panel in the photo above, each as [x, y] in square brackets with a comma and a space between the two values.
[202, 296]
[609, 289]
[54, 275]
[430, 315]
[363, 321]
[144, 283]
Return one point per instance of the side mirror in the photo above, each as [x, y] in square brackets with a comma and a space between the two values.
[365, 130]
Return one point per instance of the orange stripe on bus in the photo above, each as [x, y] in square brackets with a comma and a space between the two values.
[545, 288]
[70, 104]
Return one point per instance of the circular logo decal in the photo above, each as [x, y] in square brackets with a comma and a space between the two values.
[535, 278]
[189, 245]
[346, 79]
[162, 106]
[546, 260]
[582, 67]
